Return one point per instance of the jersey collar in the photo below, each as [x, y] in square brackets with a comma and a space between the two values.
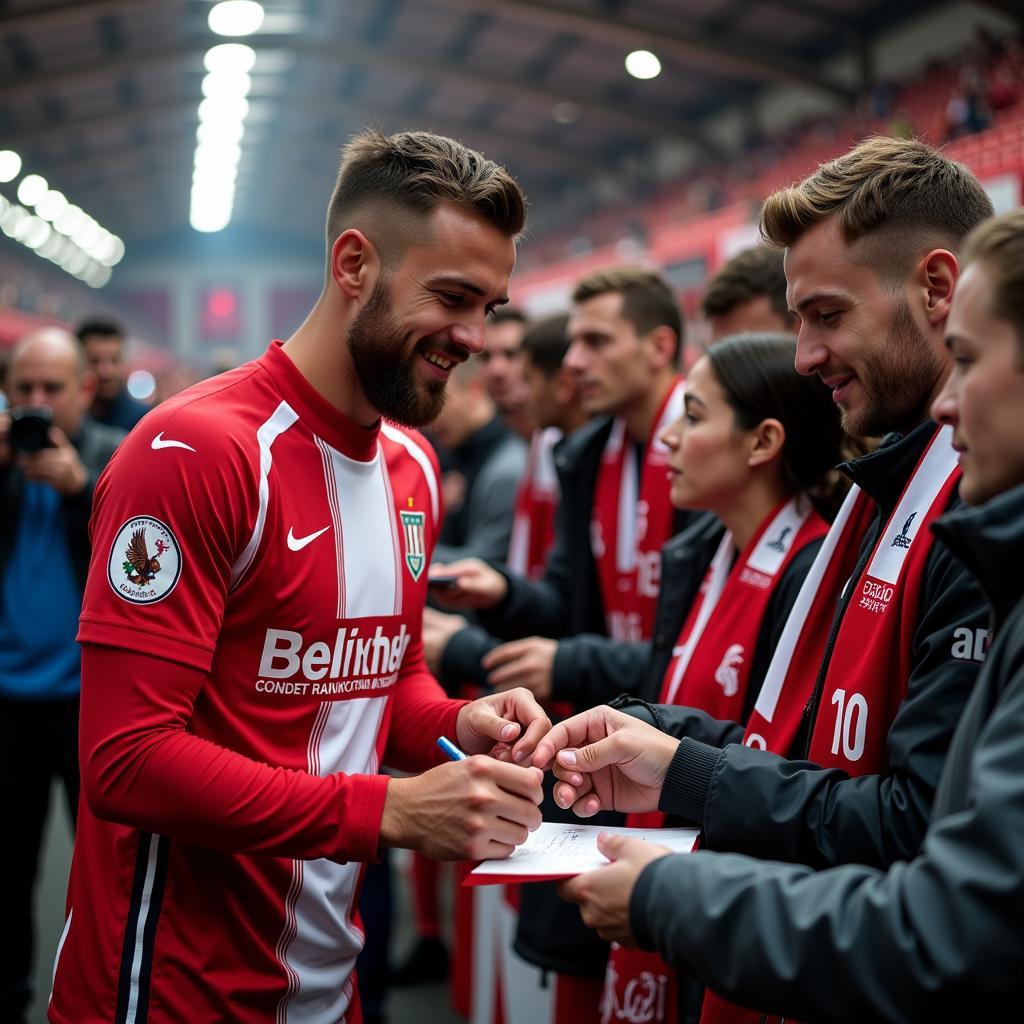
[327, 422]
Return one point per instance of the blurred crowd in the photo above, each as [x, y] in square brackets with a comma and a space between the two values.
[948, 100]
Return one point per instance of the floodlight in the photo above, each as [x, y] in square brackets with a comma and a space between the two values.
[643, 64]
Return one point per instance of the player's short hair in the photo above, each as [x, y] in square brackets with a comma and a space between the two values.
[99, 328]
[647, 298]
[998, 245]
[747, 276]
[546, 343]
[901, 196]
[415, 172]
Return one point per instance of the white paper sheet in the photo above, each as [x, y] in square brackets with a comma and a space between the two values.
[567, 850]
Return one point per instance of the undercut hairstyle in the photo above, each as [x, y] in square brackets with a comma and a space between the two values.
[99, 328]
[899, 197]
[757, 375]
[647, 298]
[546, 342]
[415, 172]
[748, 275]
[998, 245]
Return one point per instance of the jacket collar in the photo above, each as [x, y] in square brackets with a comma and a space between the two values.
[883, 473]
[988, 540]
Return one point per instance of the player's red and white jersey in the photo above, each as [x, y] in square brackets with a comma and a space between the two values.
[249, 530]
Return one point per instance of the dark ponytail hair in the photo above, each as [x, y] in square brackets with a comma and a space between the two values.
[759, 381]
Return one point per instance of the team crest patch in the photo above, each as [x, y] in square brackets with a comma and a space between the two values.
[145, 561]
[412, 528]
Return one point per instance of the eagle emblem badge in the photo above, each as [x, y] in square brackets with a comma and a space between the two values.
[145, 561]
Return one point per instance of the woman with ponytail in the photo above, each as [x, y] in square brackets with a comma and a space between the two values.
[755, 447]
[755, 450]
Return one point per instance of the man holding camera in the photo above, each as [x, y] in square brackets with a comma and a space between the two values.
[50, 456]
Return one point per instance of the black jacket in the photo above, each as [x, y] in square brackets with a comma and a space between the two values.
[95, 444]
[750, 801]
[938, 937]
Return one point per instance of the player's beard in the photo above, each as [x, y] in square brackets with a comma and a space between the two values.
[898, 384]
[385, 365]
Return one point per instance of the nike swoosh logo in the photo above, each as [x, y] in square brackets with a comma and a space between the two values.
[298, 543]
[158, 442]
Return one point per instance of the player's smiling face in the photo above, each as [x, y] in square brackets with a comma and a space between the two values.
[859, 334]
[427, 314]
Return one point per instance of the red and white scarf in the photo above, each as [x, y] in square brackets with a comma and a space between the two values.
[533, 523]
[710, 670]
[711, 664]
[629, 523]
[870, 662]
[871, 659]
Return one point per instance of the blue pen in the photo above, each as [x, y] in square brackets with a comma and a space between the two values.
[450, 749]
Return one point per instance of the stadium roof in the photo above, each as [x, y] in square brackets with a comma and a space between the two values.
[101, 96]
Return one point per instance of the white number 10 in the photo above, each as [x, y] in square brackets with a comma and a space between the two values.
[852, 733]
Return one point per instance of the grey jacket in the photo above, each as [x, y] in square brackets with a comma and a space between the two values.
[937, 937]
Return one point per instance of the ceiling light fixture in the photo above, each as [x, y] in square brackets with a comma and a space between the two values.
[222, 115]
[10, 165]
[58, 231]
[643, 64]
[32, 188]
[229, 57]
[236, 18]
[70, 220]
[226, 83]
[52, 205]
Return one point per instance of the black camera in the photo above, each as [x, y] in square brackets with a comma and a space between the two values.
[30, 428]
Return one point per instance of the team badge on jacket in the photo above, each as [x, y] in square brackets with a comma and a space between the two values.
[412, 528]
[145, 561]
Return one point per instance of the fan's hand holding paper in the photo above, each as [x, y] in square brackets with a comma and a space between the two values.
[558, 850]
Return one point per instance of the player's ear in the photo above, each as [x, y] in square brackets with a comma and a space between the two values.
[355, 264]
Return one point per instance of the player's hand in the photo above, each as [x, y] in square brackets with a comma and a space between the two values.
[60, 466]
[477, 585]
[606, 761]
[475, 809]
[507, 725]
[438, 629]
[527, 662]
[603, 894]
